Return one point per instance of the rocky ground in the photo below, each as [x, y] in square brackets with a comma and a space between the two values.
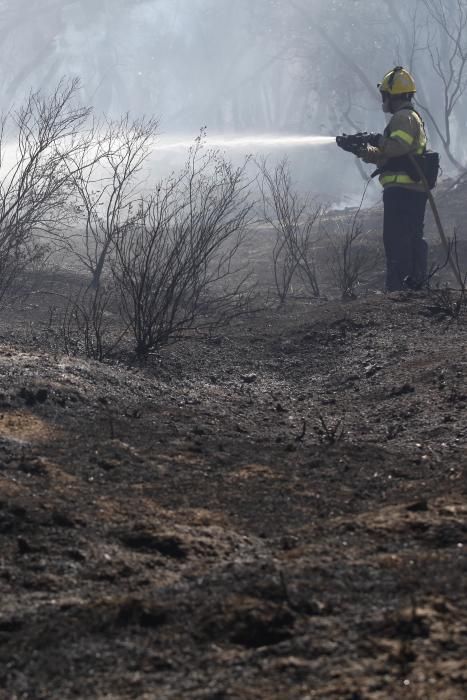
[278, 512]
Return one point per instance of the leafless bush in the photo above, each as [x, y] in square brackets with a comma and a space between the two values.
[104, 177]
[457, 267]
[350, 258]
[173, 261]
[294, 223]
[328, 432]
[86, 326]
[444, 300]
[284, 266]
[36, 141]
[448, 302]
[21, 272]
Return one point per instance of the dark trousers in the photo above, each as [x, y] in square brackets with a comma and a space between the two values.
[404, 245]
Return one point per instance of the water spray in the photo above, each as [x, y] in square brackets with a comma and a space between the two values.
[249, 142]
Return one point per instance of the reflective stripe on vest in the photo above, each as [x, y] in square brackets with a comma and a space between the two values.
[401, 179]
[403, 135]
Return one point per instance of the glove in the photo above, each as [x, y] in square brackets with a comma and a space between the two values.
[371, 155]
[375, 140]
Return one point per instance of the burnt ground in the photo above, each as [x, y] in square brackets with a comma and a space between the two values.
[276, 513]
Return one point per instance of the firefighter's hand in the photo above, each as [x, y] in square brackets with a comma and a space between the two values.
[370, 154]
[375, 140]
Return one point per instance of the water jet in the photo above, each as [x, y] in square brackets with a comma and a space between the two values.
[257, 141]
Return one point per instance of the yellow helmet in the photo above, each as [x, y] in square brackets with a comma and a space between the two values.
[398, 82]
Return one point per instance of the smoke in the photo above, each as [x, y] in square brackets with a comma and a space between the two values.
[251, 72]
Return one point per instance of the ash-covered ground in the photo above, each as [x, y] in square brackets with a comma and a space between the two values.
[278, 512]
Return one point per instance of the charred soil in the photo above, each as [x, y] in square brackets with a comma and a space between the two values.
[278, 512]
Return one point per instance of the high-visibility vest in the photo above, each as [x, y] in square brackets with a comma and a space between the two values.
[400, 177]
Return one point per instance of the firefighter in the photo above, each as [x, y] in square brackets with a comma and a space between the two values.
[404, 198]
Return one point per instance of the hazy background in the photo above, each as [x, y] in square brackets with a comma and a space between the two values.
[247, 66]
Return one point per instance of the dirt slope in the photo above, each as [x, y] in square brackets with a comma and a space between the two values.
[279, 513]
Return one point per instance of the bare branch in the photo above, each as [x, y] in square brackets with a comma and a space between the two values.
[35, 142]
[105, 181]
[294, 222]
[175, 256]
